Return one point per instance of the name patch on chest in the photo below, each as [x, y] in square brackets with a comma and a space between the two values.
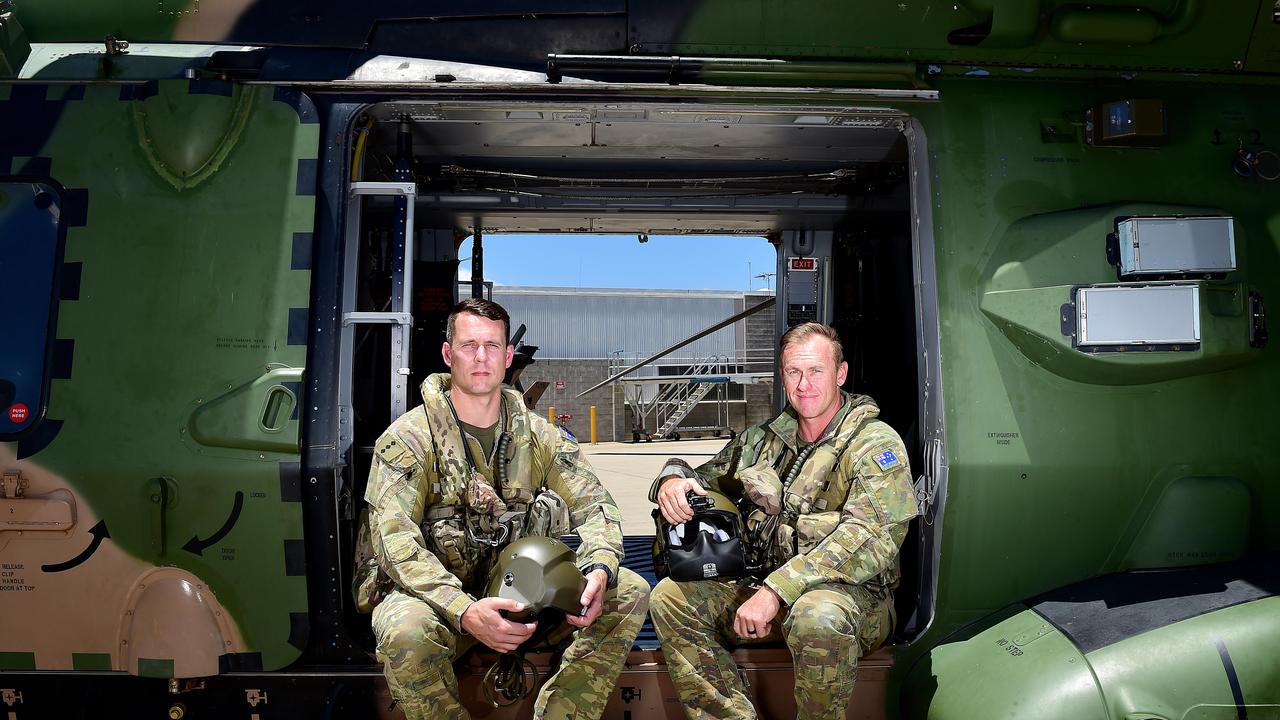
[887, 459]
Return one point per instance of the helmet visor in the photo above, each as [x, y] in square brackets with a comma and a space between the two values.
[718, 527]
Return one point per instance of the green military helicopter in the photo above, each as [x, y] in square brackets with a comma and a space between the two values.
[1046, 230]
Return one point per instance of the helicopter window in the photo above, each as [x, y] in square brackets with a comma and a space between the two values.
[29, 259]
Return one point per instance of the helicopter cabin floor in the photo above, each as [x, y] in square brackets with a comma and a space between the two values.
[644, 688]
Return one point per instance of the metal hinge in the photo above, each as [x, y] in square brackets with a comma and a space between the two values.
[116, 46]
[13, 486]
[927, 483]
[1257, 320]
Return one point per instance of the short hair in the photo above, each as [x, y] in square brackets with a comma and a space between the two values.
[802, 332]
[487, 309]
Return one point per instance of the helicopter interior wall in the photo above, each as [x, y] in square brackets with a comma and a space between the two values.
[617, 169]
[873, 309]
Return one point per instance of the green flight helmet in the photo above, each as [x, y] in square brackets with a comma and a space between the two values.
[708, 546]
[539, 572]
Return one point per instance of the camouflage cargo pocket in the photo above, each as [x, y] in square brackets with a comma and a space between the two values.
[447, 540]
[369, 584]
[813, 528]
[784, 546]
[823, 679]
[548, 516]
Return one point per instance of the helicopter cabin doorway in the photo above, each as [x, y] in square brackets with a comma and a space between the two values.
[838, 192]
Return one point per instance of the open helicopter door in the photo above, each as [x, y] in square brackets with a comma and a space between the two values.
[160, 236]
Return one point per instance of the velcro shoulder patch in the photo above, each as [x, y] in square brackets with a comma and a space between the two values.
[887, 460]
[393, 452]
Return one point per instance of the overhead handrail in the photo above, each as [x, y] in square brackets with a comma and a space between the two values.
[696, 336]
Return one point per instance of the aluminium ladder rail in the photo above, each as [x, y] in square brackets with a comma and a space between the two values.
[400, 316]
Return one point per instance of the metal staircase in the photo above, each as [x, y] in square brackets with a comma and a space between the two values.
[682, 399]
[678, 395]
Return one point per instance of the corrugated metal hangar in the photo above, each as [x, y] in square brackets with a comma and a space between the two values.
[585, 335]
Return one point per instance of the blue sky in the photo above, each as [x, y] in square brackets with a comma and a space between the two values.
[688, 262]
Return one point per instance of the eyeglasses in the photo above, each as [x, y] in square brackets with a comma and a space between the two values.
[794, 375]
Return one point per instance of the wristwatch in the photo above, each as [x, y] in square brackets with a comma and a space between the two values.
[611, 583]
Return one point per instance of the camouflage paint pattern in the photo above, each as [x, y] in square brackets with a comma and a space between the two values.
[827, 629]
[185, 298]
[420, 494]
[839, 525]
[991, 162]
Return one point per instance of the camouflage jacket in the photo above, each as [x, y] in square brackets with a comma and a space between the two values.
[417, 499]
[843, 517]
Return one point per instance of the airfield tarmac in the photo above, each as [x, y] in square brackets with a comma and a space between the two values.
[628, 469]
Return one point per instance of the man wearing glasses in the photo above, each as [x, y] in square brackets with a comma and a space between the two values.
[826, 493]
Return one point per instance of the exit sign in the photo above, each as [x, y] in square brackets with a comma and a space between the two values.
[801, 263]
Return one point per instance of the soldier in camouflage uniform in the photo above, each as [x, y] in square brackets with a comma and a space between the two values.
[829, 496]
[441, 505]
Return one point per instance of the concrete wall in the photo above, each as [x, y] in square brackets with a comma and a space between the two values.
[761, 343]
[578, 375]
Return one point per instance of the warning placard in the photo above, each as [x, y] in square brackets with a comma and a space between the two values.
[19, 413]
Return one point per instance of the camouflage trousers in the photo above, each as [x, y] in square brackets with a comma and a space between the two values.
[417, 650]
[827, 630]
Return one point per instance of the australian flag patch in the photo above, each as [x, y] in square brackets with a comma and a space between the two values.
[887, 460]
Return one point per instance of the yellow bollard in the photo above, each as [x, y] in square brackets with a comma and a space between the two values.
[551, 414]
[593, 424]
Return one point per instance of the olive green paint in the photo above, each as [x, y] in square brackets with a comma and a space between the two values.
[151, 667]
[1032, 271]
[1195, 520]
[1218, 34]
[1061, 466]
[1057, 462]
[1019, 668]
[185, 295]
[93, 21]
[91, 661]
[1177, 672]
[1226, 36]
[253, 416]
[186, 142]
[17, 661]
